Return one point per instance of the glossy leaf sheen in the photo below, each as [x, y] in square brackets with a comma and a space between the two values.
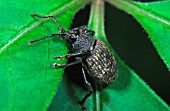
[28, 82]
[155, 18]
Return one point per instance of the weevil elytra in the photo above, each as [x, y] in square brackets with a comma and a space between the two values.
[94, 56]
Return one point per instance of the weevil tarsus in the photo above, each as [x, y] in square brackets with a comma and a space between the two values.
[55, 65]
[82, 102]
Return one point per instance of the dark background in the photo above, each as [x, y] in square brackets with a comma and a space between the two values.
[133, 45]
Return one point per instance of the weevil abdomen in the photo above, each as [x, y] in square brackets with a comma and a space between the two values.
[102, 64]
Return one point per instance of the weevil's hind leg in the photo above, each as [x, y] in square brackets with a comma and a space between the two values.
[82, 102]
[89, 88]
[86, 82]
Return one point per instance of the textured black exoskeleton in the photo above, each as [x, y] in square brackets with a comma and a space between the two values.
[99, 61]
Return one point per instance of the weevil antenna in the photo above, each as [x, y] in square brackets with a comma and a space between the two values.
[52, 17]
[50, 36]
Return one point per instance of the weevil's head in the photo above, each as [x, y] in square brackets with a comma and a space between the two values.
[75, 33]
[80, 37]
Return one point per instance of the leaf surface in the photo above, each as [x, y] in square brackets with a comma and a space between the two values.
[28, 82]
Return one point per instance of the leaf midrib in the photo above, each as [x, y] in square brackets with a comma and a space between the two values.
[97, 16]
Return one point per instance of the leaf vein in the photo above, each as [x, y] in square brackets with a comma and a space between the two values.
[35, 24]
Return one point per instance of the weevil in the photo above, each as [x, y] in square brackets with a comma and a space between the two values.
[94, 56]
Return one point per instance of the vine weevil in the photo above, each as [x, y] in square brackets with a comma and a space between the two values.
[99, 61]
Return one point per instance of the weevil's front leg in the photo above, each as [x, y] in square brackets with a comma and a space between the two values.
[68, 55]
[91, 32]
[55, 65]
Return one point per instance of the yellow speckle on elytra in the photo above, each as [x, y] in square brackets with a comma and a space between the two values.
[100, 76]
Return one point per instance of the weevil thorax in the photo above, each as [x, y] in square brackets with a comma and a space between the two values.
[81, 40]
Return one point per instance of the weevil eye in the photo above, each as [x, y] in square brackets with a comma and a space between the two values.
[73, 38]
[77, 33]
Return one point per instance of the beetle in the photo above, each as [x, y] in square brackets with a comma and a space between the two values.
[94, 56]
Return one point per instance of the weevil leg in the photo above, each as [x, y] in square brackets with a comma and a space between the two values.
[68, 55]
[91, 32]
[55, 65]
[82, 102]
[86, 82]
[86, 68]
[89, 88]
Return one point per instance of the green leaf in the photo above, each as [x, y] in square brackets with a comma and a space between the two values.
[28, 82]
[155, 18]
[128, 93]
